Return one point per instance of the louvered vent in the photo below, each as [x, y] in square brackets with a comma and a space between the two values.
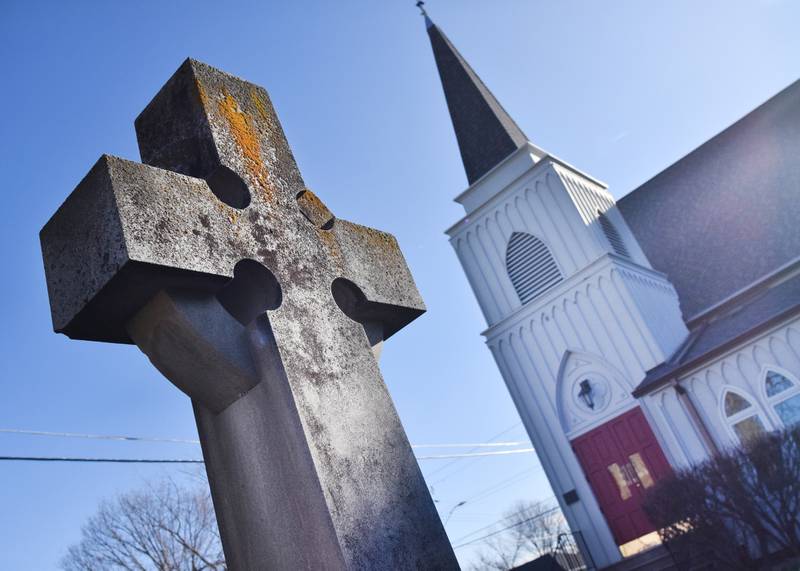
[612, 235]
[530, 266]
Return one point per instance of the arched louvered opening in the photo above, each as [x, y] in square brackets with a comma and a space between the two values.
[530, 266]
[612, 235]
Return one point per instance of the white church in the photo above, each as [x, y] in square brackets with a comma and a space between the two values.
[637, 336]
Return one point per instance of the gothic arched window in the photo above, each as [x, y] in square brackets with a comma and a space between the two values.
[612, 235]
[530, 265]
[742, 416]
[783, 394]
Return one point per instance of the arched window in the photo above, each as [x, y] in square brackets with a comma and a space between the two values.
[742, 416]
[783, 394]
[612, 235]
[530, 266]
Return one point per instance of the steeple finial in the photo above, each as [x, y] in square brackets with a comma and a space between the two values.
[486, 133]
[421, 5]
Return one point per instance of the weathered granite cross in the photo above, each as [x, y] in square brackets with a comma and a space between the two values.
[251, 297]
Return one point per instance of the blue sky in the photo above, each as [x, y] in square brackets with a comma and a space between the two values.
[619, 89]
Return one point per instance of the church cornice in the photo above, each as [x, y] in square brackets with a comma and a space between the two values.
[602, 265]
[784, 272]
[766, 307]
[506, 187]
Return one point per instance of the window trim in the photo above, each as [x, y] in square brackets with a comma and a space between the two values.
[772, 401]
[754, 409]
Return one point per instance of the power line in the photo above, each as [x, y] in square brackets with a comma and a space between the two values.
[501, 530]
[179, 461]
[473, 454]
[102, 460]
[438, 470]
[187, 441]
[504, 484]
[494, 523]
[474, 445]
[499, 488]
[124, 438]
[484, 493]
[96, 436]
[500, 485]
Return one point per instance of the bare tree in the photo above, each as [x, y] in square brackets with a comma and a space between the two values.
[741, 507]
[163, 527]
[529, 530]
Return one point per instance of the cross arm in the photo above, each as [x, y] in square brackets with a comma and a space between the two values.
[193, 340]
[372, 261]
[126, 232]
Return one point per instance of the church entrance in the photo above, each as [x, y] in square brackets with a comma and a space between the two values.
[621, 460]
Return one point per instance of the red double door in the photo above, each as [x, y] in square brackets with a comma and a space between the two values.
[621, 460]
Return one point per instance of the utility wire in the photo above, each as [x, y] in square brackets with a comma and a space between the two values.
[501, 530]
[493, 489]
[513, 478]
[186, 441]
[96, 436]
[484, 493]
[499, 488]
[494, 523]
[498, 435]
[104, 460]
[179, 461]
[438, 470]
[473, 454]
[475, 445]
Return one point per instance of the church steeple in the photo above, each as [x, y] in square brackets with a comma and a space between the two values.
[486, 133]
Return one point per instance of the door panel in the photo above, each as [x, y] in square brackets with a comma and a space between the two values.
[621, 459]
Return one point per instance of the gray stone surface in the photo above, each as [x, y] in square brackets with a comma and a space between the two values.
[308, 463]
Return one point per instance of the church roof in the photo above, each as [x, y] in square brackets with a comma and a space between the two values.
[486, 134]
[726, 214]
[742, 319]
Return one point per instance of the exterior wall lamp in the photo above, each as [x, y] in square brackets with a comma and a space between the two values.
[586, 394]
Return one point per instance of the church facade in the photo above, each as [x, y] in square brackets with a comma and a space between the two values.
[639, 336]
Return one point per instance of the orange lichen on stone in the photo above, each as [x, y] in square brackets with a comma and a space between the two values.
[331, 243]
[242, 130]
[314, 209]
[261, 107]
[247, 138]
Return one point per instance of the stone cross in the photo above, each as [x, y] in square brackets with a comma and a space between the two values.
[247, 293]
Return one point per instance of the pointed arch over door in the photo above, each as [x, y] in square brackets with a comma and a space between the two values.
[531, 266]
[589, 391]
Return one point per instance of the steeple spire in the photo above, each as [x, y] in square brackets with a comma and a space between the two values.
[421, 5]
[486, 134]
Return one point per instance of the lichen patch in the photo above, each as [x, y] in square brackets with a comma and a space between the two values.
[242, 131]
[261, 107]
[247, 138]
[201, 93]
